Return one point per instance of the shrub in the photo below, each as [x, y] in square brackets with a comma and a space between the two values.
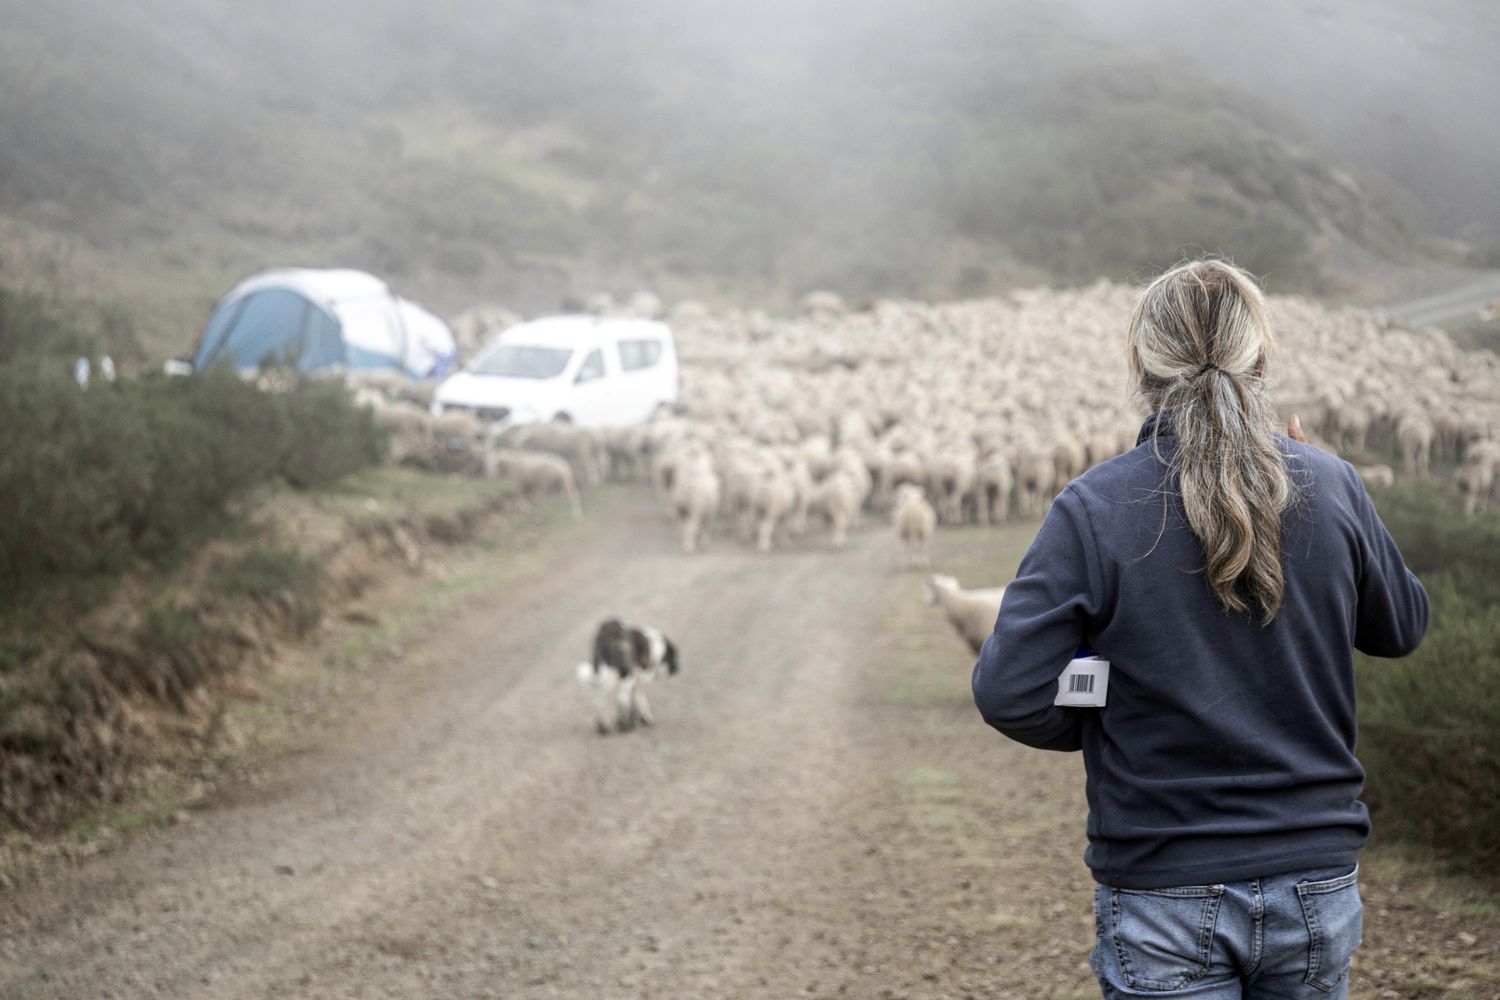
[28, 326]
[1430, 723]
[93, 480]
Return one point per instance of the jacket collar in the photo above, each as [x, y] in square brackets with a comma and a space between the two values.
[1158, 423]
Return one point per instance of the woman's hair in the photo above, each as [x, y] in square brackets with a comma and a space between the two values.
[1199, 342]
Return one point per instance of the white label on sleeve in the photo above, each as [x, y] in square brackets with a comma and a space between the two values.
[1084, 684]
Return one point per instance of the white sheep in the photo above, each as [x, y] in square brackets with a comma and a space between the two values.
[457, 429]
[695, 496]
[838, 498]
[772, 505]
[1035, 480]
[1378, 476]
[996, 481]
[954, 476]
[1414, 435]
[1069, 459]
[972, 613]
[761, 393]
[914, 521]
[410, 427]
[534, 472]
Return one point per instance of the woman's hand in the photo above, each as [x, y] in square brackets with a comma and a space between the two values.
[1294, 430]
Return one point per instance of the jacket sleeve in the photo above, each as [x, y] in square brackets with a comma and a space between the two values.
[1393, 609]
[1041, 624]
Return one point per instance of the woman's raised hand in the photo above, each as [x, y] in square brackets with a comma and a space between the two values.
[1294, 430]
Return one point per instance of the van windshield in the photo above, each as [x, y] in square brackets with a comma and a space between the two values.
[523, 361]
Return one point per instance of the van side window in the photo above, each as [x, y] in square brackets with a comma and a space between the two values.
[592, 367]
[638, 354]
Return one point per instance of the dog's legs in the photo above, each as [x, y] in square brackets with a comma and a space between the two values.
[626, 718]
[605, 683]
[642, 707]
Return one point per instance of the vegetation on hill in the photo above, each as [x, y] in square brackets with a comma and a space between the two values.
[515, 151]
[1430, 723]
[97, 480]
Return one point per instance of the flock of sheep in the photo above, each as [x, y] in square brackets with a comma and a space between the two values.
[986, 407]
[797, 428]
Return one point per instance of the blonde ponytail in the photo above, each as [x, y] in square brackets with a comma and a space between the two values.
[1199, 342]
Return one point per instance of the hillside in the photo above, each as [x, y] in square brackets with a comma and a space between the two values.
[1398, 86]
[152, 154]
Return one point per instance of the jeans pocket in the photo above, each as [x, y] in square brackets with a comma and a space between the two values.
[1335, 926]
[1164, 937]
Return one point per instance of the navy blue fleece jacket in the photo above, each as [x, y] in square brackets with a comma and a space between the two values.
[1226, 748]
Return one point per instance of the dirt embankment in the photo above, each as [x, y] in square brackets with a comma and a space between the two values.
[138, 694]
[818, 812]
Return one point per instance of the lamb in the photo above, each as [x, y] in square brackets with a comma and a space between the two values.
[972, 613]
[953, 473]
[1350, 426]
[1379, 476]
[902, 467]
[995, 484]
[457, 428]
[534, 472]
[838, 498]
[802, 482]
[772, 504]
[1036, 478]
[695, 497]
[848, 464]
[409, 427]
[1476, 482]
[582, 447]
[1477, 476]
[1414, 439]
[914, 521]
[1069, 459]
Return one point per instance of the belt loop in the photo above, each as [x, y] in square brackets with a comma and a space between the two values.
[1257, 924]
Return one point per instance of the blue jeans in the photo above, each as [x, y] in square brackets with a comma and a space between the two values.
[1288, 937]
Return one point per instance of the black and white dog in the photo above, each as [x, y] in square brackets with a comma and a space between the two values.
[625, 657]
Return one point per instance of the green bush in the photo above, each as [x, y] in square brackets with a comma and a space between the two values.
[1430, 723]
[92, 480]
[28, 325]
[1436, 539]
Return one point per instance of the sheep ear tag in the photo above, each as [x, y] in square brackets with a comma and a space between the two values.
[1084, 684]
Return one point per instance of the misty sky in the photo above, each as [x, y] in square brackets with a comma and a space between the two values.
[1409, 87]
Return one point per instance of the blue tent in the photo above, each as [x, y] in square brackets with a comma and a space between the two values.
[324, 319]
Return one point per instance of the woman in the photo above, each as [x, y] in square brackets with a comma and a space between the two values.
[1226, 573]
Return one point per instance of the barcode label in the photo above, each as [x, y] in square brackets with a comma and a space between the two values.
[1084, 684]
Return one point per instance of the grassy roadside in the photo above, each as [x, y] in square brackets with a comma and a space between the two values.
[1010, 821]
[422, 547]
[311, 688]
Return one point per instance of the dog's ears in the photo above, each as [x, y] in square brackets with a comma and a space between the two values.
[671, 657]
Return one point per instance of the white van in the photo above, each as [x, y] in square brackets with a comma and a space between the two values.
[592, 370]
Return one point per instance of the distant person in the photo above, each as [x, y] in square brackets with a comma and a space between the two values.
[81, 372]
[1226, 573]
[107, 368]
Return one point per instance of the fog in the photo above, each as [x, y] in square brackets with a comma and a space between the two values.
[516, 152]
[1408, 87]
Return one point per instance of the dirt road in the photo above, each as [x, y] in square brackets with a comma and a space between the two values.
[1463, 300]
[817, 813]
